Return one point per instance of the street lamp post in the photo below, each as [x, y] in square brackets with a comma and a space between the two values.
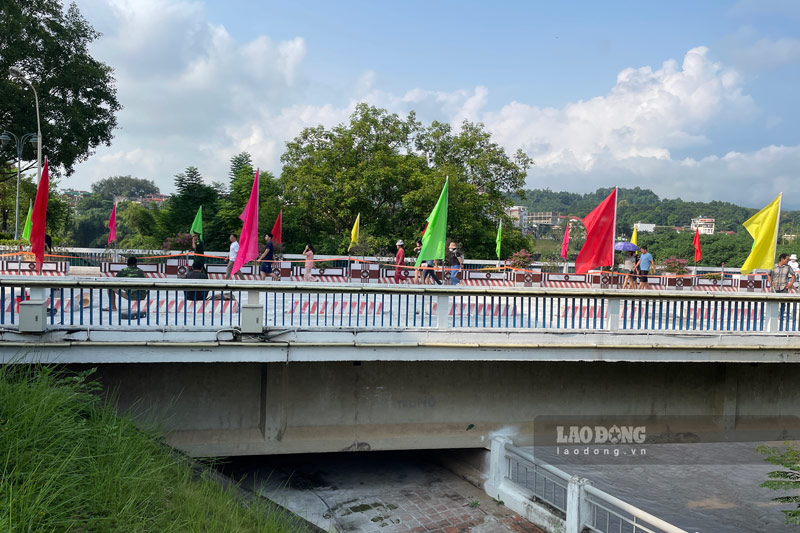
[17, 73]
[20, 141]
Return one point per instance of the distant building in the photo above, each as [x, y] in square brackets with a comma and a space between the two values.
[789, 237]
[644, 228]
[705, 225]
[153, 199]
[518, 214]
[72, 197]
[545, 218]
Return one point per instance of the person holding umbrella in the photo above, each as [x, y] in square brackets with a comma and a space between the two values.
[629, 266]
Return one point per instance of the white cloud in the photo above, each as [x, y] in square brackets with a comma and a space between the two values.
[195, 95]
[646, 114]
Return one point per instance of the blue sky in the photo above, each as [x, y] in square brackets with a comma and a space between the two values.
[690, 99]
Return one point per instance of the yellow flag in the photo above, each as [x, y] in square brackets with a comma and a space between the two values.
[763, 226]
[635, 236]
[354, 233]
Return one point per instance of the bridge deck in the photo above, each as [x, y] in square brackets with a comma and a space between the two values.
[259, 322]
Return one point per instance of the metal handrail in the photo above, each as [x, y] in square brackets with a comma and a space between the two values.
[634, 511]
[562, 479]
[316, 287]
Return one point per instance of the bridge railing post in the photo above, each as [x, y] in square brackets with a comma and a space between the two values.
[613, 314]
[498, 466]
[442, 311]
[32, 312]
[252, 313]
[578, 511]
[772, 310]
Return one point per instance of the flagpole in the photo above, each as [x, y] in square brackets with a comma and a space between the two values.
[777, 224]
[614, 236]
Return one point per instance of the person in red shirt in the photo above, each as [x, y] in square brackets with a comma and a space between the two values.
[399, 261]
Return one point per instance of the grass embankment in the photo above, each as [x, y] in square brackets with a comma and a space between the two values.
[70, 463]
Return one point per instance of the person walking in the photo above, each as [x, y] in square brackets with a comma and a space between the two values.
[456, 261]
[232, 253]
[430, 272]
[266, 258]
[781, 277]
[418, 275]
[399, 261]
[645, 264]
[309, 265]
[627, 266]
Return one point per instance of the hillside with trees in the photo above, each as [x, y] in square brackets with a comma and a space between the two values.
[643, 205]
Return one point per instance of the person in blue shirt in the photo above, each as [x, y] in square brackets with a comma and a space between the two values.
[645, 264]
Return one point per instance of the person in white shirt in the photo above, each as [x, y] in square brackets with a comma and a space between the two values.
[232, 253]
[795, 266]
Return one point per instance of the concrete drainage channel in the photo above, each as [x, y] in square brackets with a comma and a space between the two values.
[376, 492]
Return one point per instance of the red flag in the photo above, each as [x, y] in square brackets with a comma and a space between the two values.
[565, 242]
[39, 217]
[276, 229]
[112, 225]
[698, 255]
[248, 242]
[601, 223]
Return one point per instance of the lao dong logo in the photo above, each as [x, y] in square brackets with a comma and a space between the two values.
[600, 435]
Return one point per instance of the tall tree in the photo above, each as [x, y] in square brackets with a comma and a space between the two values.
[192, 192]
[77, 94]
[128, 186]
[231, 206]
[391, 170]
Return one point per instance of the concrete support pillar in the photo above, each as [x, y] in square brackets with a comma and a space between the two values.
[274, 394]
[578, 512]
[730, 400]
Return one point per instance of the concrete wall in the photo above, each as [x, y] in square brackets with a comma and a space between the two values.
[268, 408]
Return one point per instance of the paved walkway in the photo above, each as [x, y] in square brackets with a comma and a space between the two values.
[702, 488]
[377, 492]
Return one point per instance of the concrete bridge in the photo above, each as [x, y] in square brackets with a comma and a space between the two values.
[275, 368]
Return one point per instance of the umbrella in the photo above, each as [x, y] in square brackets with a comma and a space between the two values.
[625, 247]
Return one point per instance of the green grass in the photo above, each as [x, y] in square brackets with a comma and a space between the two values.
[68, 462]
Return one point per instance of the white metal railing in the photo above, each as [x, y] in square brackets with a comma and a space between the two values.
[164, 302]
[581, 505]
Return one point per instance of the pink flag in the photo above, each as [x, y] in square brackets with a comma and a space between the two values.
[248, 242]
[565, 242]
[39, 217]
[112, 225]
[601, 223]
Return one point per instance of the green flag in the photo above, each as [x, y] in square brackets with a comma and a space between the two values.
[499, 238]
[435, 236]
[26, 231]
[197, 225]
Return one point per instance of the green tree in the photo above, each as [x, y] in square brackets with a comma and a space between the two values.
[8, 202]
[78, 97]
[127, 186]
[233, 203]
[391, 170]
[788, 480]
[179, 210]
[135, 225]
